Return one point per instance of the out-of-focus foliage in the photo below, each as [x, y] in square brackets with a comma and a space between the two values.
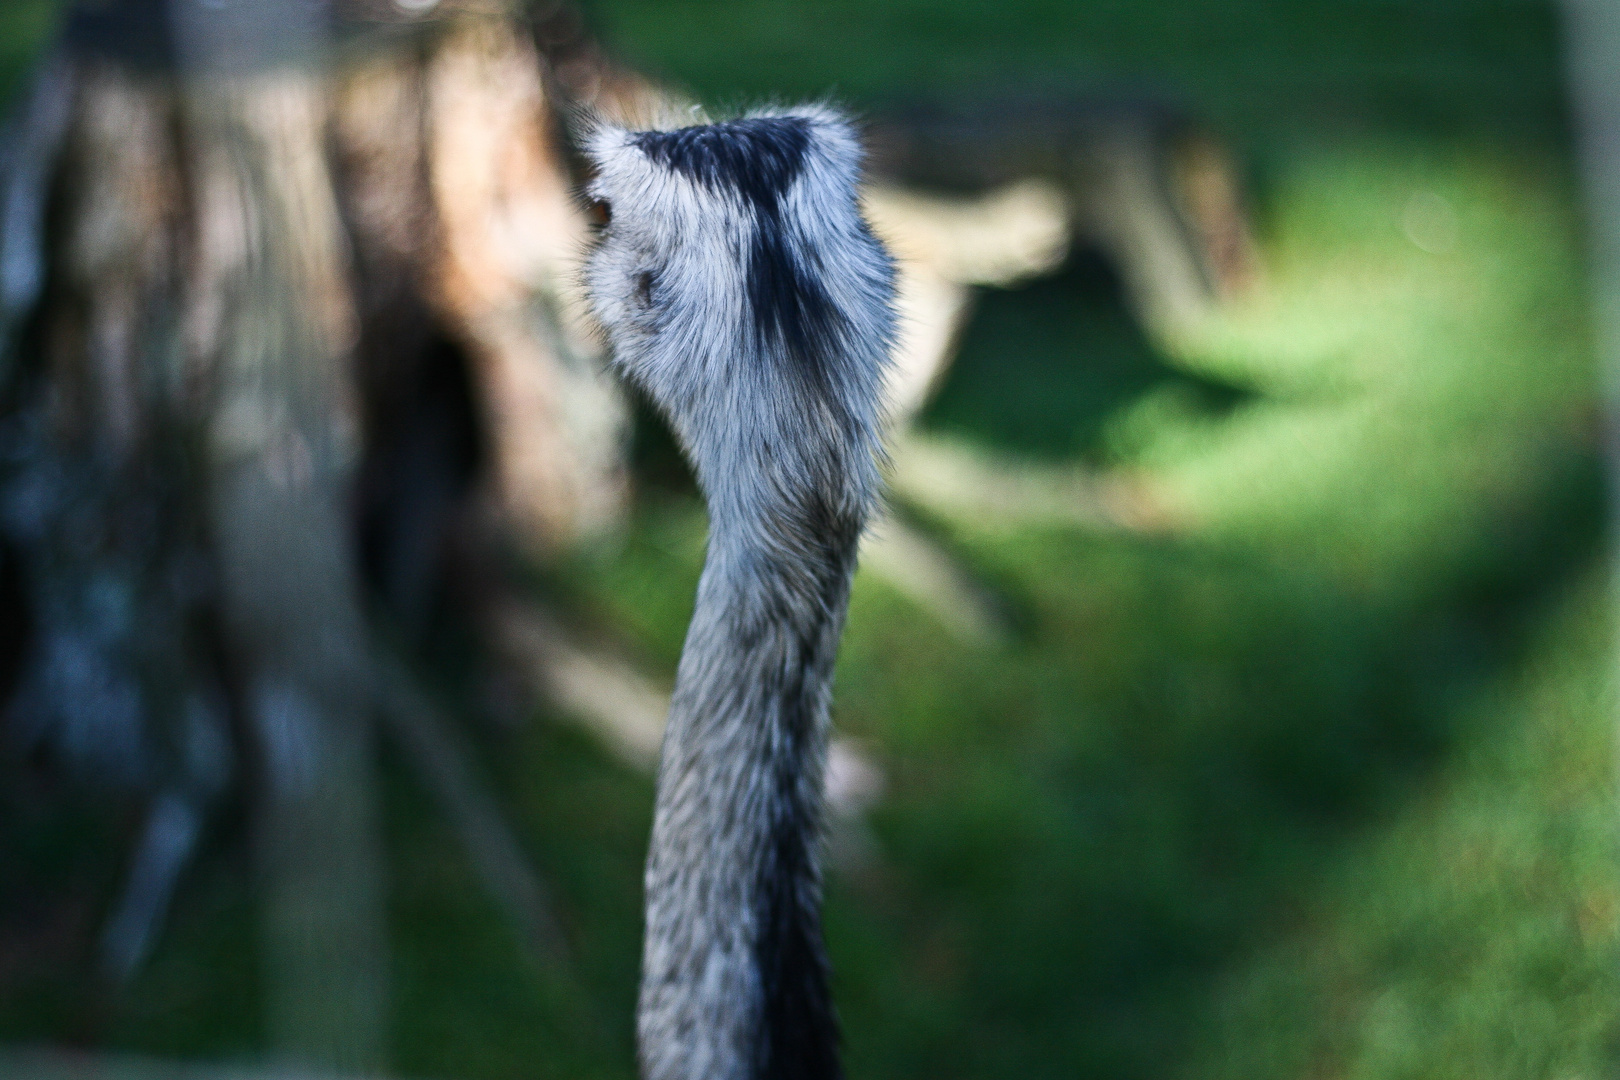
[1255, 64]
[1313, 778]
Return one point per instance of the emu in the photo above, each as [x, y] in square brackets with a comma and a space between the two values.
[740, 287]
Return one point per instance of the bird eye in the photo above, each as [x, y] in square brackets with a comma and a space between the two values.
[599, 213]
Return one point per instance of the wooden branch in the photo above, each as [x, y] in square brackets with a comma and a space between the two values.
[927, 574]
[995, 492]
[625, 710]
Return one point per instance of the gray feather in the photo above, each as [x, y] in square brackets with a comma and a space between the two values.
[740, 287]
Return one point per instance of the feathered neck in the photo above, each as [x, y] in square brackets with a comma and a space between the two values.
[740, 288]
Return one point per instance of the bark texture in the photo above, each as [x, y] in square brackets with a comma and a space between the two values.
[288, 332]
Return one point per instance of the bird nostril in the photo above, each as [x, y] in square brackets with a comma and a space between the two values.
[599, 212]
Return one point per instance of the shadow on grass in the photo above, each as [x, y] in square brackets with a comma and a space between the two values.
[1085, 835]
[1042, 368]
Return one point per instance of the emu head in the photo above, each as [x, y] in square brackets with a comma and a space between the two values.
[741, 289]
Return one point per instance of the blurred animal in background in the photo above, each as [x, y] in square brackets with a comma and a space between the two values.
[740, 287]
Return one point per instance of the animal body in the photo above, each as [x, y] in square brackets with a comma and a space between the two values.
[741, 289]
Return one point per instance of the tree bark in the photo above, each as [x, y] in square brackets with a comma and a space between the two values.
[281, 282]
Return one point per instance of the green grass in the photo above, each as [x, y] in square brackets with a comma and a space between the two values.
[1474, 934]
[1316, 782]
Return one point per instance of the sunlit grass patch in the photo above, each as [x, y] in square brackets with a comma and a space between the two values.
[1405, 395]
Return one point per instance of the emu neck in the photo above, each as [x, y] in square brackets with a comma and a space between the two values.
[734, 976]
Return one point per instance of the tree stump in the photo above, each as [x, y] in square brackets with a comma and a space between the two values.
[284, 291]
